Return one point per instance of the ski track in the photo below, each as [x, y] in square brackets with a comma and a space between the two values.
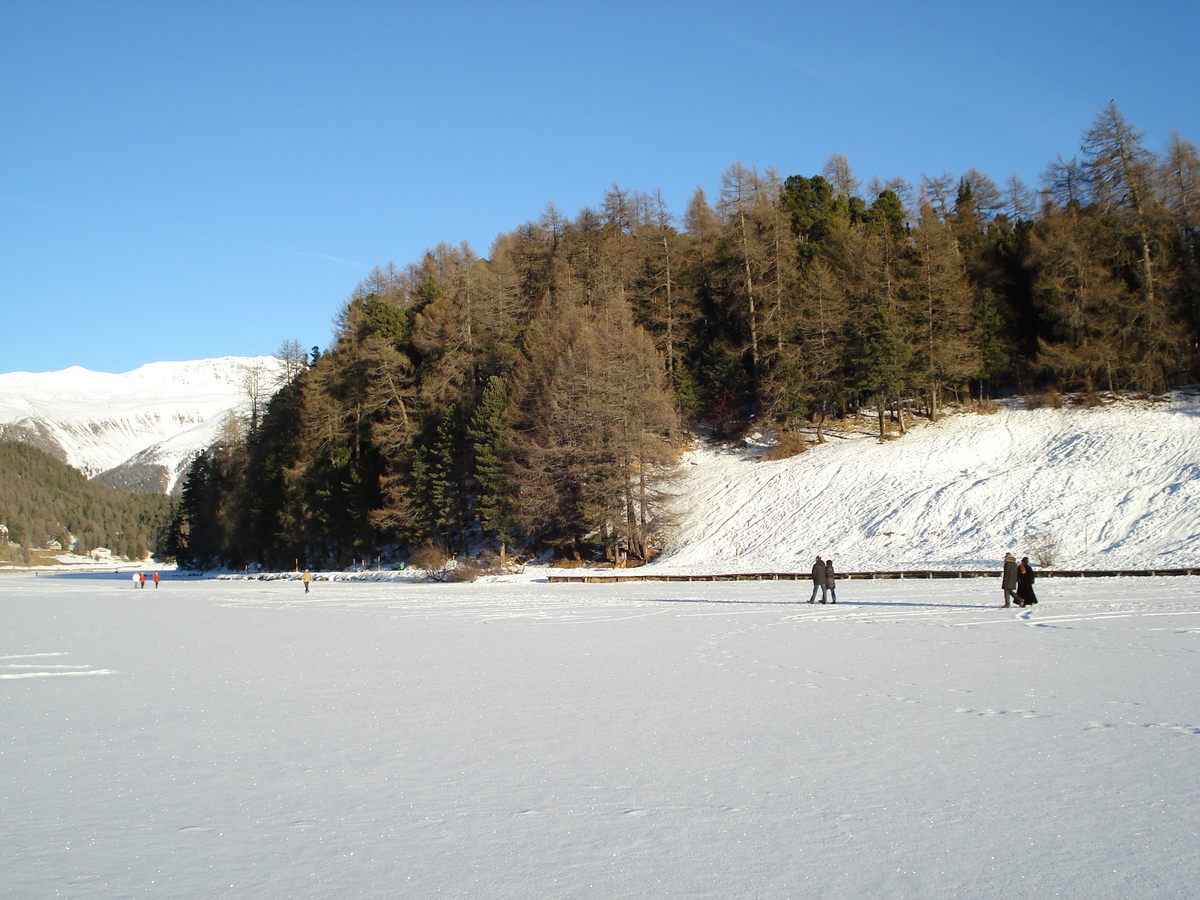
[11, 671]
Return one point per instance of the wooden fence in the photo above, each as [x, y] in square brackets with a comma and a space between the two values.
[844, 576]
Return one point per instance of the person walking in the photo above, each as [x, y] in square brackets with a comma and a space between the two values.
[307, 579]
[830, 581]
[142, 579]
[1008, 579]
[1025, 576]
[136, 581]
[818, 580]
[156, 580]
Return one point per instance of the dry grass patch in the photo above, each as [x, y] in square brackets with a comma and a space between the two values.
[790, 444]
[1052, 399]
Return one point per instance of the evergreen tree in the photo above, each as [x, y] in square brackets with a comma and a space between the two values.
[489, 437]
[199, 539]
[815, 211]
[884, 366]
[444, 488]
[989, 334]
[946, 350]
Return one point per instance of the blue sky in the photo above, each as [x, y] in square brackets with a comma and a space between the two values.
[190, 180]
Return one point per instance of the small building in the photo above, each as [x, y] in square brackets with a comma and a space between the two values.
[101, 554]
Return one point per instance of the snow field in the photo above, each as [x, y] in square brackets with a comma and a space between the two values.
[239, 738]
[1117, 486]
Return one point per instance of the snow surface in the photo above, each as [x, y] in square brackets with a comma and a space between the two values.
[511, 738]
[1118, 487]
[516, 739]
[163, 413]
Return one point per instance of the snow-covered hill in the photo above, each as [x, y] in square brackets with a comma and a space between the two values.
[138, 430]
[1115, 487]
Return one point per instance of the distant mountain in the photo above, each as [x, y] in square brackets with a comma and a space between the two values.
[140, 430]
[45, 503]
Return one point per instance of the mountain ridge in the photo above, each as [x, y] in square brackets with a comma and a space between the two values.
[137, 430]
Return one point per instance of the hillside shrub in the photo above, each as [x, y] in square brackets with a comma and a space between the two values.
[433, 560]
[475, 567]
[1043, 546]
[790, 444]
[1052, 399]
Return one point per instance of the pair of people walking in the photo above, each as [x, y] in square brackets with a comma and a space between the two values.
[825, 580]
[1016, 580]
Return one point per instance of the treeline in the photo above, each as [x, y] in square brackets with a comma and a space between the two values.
[43, 501]
[537, 396]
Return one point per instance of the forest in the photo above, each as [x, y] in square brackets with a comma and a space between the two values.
[539, 398]
[43, 501]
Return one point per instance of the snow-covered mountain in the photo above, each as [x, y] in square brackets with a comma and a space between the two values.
[137, 430]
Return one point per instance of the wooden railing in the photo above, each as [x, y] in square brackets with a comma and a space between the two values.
[634, 575]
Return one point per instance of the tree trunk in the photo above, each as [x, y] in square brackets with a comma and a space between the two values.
[753, 316]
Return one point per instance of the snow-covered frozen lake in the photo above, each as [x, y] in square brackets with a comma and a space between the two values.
[514, 740]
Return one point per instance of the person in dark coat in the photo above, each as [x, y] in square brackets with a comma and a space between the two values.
[1008, 579]
[818, 579]
[1025, 576]
[830, 581]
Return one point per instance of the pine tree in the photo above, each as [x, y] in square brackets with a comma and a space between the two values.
[1121, 172]
[489, 436]
[1083, 304]
[884, 364]
[199, 542]
[946, 353]
[989, 335]
[446, 488]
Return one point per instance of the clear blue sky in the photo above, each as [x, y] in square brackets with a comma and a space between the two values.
[181, 180]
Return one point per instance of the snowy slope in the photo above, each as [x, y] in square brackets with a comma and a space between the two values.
[1117, 487]
[150, 421]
